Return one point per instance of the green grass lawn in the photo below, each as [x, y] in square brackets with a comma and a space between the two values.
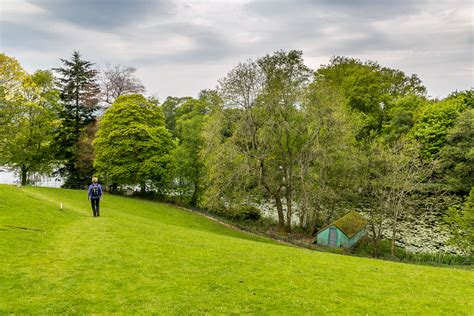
[146, 257]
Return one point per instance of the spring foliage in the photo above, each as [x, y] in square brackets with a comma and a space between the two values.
[132, 144]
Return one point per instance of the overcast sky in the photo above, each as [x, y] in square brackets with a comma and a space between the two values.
[181, 47]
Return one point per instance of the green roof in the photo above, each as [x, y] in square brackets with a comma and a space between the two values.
[350, 224]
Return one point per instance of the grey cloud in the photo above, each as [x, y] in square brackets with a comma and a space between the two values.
[441, 45]
[208, 45]
[369, 9]
[104, 14]
[361, 9]
[20, 35]
[307, 20]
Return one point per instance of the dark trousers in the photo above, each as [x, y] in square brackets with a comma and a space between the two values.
[95, 207]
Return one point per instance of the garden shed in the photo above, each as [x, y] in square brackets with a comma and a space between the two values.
[344, 232]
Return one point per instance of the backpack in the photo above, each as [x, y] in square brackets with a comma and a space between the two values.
[95, 192]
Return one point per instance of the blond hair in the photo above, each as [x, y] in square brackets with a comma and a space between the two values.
[95, 179]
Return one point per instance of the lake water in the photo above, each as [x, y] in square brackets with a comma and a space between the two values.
[9, 177]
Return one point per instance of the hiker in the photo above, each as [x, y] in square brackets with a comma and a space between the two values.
[95, 195]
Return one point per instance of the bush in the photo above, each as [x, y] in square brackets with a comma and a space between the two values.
[246, 212]
[366, 248]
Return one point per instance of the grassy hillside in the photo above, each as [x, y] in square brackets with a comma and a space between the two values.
[143, 257]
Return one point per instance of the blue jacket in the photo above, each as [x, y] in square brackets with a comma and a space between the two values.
[90, 191]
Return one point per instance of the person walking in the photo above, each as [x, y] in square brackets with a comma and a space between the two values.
[95, 196]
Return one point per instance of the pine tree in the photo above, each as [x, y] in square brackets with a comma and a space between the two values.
[80, 97]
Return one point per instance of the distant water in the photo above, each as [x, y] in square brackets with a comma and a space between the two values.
[9, 177]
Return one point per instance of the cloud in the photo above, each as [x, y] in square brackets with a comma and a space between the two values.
[180, 45]
[187, 43]
[104, 14]
[16, 35]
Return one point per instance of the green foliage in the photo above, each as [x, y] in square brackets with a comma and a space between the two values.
[400, 116]
[145, 257]
[368, 87]
[332, 170]
[79, 96]
[366, 248]
[247, 212]
[132, 144]
[432, 126]
[461, 221]
[169, 108]
[190, 118]
[239, 212]
[256, 137]
[395, 175]
[12, 95]
[227, 178]
[28, 104]
[457, 156]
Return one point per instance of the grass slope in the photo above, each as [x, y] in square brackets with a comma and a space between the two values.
[144, 257]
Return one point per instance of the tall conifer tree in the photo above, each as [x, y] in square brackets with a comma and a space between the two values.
[80, 97]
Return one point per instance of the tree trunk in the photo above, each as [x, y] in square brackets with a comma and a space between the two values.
[289, 209]
[281, 217]
[376, 236]
[114, 188]
[195, 195]
[302, 217]
[23, 175]
[394, 232]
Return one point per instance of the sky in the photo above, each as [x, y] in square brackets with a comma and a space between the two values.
[182, 47]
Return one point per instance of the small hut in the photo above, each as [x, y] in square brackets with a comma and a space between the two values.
[344, 232]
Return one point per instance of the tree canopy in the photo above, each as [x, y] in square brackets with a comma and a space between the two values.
[28, 105]
[368, 87]
[132, 144]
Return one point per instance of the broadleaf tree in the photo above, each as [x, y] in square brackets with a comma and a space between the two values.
[28, 104]
[369, 88]
[190, 119]
[133, 145]
[457, 156]
[118, 80]
[436, 119]
[261, 101]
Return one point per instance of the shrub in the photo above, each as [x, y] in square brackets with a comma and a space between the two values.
[246, 212]
[366, 248]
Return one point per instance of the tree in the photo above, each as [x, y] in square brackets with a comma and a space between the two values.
[133, 145]
[29, 103]
[460, 221]
[396, 175]
[400, 117]
[117, 81]
[85, 149]
[12, 79]
[457, 156]
[169, 108]
[190, 120]
[368, 87]
[433, 123]
[261, 100]
[79, 96]
[328, 168]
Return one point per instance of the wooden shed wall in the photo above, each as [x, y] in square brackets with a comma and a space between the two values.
[357, 237]
[323, 237]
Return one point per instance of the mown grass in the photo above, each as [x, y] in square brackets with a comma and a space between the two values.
[146, 257]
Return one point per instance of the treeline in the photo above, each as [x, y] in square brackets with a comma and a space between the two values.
[350, 135]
